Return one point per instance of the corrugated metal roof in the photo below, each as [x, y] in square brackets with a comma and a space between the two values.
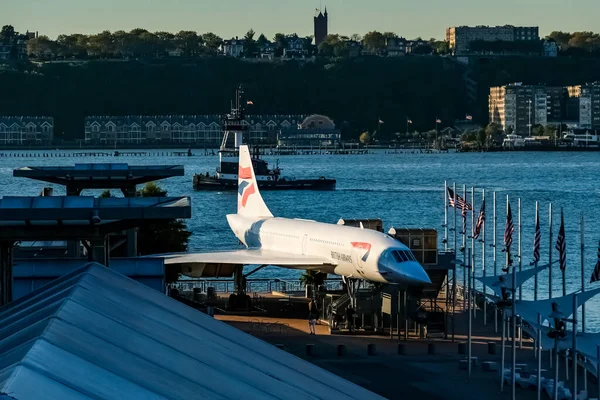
[97, 334]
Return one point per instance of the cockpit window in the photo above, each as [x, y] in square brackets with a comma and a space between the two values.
[403, 255]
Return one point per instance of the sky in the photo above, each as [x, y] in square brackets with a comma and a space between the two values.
[229, 18]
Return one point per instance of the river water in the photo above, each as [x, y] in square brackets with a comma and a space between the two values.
[404, 190]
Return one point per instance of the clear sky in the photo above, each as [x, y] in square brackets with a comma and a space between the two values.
[227, 18]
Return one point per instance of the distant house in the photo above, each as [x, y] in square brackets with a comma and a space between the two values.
[423, 47]
[266, 50]
[314, 130]
[354, 48]
[295, 49]
[175, 52]
[395, 47]
[185, 129]
[233, 47]
[26, 130]
[550, 48]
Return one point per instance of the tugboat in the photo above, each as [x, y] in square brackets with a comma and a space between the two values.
[226, 178]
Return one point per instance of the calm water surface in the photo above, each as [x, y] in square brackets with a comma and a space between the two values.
[405, 190]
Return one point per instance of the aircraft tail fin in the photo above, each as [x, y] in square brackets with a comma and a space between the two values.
[250, 202]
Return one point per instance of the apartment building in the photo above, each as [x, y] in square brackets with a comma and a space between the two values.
[459, 37]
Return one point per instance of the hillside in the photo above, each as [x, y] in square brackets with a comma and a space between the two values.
[355, 93]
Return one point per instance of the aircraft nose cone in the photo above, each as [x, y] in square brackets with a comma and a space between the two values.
[415, 274]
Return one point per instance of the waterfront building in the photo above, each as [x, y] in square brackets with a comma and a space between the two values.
[26, 131]
[321, 27]
[517, 107]
[586, 101]
[460, 37]
[183, 129]
[315, 130]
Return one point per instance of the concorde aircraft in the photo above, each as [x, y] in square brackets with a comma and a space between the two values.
[354, 253]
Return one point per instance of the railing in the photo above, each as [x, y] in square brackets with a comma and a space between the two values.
[256, 285]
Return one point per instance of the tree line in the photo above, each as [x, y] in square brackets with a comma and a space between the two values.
[576, 43]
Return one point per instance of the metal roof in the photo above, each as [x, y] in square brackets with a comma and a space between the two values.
[96, 334]
[101, 175]
[79, 210]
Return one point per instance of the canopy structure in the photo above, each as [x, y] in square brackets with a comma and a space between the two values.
[95, 333]
[76, 218]
[100, 176]
[497, 282]
[529, 310]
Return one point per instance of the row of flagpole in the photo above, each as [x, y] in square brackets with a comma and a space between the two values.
[478, 230]
[454, 200]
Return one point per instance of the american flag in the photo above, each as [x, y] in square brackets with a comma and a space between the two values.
[380, 121]
[596, 273]
[508, 231]
[409, 121]
[438, 121]
[250, 103]
[469, 117]
[464, 217]
[561, 245]
[460, 202]
[537, 238]
[480, 221]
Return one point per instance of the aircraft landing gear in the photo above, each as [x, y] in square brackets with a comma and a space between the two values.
[352, 286]
[239, 300]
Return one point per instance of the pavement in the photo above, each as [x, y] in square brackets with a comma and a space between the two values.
[416, 374]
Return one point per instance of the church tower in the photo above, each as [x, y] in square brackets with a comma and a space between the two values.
[321, 27]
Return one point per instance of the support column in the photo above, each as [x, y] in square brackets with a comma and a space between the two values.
[132, 233]
[99, 251]
[6, 273]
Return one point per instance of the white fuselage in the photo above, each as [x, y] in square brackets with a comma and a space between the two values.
[354, 252]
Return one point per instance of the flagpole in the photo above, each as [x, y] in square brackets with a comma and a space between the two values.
[464, 247]
[574, 356]
[445, 193]
[470, 337]
[519, 249]
[535, 264]
[562, 224]
[483, 261]
[582, 240]
[539, 355]
[520, 268]
[550, 253]
[446, 216]
[454, 267]
[495, 264]
[472, 253]
[513, 316]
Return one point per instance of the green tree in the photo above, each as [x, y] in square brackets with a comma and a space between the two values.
[262, 40]
[280, 41]
[74, 45]
[167, 236]
[101, 44]
[250, 47]
[189, 42]
[7, 33]
[561, 39]
[538, 130]
[356, 37]
[390, 35]
[165, 42]
[307, 44]
[212, 42]
[365, 138]
[41, 47]
[374, 41]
